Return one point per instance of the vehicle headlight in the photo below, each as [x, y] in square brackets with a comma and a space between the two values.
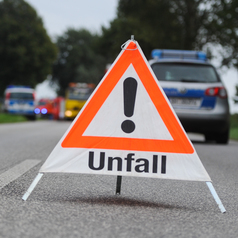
[68, 113]
[43, 110]
[37, 110]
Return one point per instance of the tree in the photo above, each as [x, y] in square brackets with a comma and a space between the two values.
[26, 51]
[173, 24]
[78, 59]
[222, 29]
[192, 16]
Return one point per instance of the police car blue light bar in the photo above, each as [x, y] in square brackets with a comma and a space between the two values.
[18, 86]
[179, 54]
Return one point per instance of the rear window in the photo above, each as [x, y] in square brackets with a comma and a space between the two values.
[21, 96]
[185, 72]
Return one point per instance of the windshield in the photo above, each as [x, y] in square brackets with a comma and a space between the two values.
[42, 103]
[185, 72]
[21, 96]
[79, 93]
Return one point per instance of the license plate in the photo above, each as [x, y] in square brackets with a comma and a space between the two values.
[188, 102]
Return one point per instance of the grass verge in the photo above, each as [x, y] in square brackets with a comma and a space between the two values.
[234, 127]
[8, 118]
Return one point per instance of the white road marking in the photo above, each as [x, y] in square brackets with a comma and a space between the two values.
[16, 171]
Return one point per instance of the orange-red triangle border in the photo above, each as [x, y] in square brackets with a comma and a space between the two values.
[132, 55]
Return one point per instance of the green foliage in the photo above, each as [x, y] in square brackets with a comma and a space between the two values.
[78, 60]
[26, 51]
[223, 29]
[173, 24]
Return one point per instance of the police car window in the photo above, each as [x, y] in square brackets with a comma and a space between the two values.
[185, 73]
[21, 96]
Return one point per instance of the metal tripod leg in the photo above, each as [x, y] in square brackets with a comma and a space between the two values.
[32, 186]
[118, 188]
[217, 199]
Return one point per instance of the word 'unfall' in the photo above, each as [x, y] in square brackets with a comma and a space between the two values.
[139, 165]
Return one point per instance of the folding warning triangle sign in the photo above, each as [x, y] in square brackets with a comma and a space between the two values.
[127, 127]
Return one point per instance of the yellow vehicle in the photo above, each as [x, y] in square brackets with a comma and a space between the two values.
[75, 98]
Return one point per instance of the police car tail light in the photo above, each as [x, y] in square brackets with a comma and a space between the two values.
[216, 92]
[8, 96]
[223, 92]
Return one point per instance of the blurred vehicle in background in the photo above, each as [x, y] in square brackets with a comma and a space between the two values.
[58, 108]
[75, 98]
[195, 91]
[20, 100]
[51, 108]
[44, 108]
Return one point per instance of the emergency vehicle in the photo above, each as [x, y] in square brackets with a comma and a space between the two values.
[20, 100]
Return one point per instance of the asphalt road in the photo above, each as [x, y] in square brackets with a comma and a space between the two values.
[78, 205]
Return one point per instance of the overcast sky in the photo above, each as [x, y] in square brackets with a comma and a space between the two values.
[58, 15]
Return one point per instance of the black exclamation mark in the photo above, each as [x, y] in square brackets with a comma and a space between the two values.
[129, 90]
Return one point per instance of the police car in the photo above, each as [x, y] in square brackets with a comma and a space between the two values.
[195, 91]
[20, 100]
